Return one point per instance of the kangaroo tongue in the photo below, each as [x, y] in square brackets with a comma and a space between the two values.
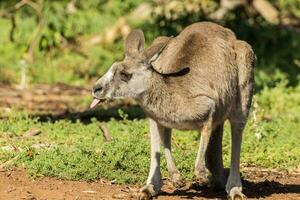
[95, 103]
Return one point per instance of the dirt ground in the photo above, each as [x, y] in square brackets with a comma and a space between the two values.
[43, 98]
[258, 184]
[54, 102]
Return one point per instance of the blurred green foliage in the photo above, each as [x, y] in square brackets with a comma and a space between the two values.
[54, 60]
[57, 59]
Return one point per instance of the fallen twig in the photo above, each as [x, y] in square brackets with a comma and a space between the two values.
[32, 132]
[105, 131]
[10, 142]
[90, 191]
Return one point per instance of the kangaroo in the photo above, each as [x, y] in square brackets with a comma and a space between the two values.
[194, 81]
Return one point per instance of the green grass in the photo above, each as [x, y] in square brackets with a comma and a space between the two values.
[79, 152]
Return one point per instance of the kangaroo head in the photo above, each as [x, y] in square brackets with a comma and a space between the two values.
[132, 76]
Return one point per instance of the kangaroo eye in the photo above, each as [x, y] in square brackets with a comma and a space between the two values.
[125, 76]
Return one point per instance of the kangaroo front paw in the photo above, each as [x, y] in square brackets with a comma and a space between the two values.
[236, 194]
[147, 192]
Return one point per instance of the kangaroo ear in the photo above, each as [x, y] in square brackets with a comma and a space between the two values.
[153, 52]
[165, 55]
[134, 43]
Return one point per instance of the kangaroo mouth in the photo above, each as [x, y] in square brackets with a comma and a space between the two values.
[96, 101]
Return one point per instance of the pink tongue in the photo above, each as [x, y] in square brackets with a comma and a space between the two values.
[94, 103]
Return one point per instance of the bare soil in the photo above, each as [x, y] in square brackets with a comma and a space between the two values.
[258, 184]
[50, 99]
[58, 101]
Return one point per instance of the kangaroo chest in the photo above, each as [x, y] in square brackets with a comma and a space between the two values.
[171, 120]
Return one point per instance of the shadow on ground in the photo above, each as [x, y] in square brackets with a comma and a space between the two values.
[267, 188]
[101, 114]
[251, 189]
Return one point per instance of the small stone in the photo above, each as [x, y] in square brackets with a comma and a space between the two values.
[89, 191]
[119, 196]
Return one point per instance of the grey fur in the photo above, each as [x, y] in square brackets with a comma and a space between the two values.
[194, 81]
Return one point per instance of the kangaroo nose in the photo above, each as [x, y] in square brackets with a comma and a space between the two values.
[97, 89]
